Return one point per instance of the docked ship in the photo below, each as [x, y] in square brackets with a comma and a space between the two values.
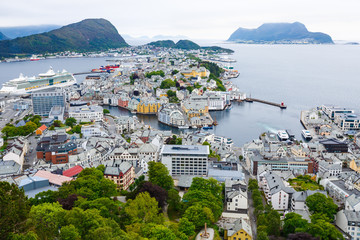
[306, 134]
[283, 136]
[50, 79]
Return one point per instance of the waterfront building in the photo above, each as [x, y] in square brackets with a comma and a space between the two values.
[44, 100]
[171, 114]
[196, 72]
[146, 106]
[195, 109]
[347, 122]
[331, 111]
[121, 173]
[86, 113]
[185, 159]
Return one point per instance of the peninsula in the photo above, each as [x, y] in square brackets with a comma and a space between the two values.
[280, 33]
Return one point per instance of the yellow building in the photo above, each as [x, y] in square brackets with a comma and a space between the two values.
[195, 109]
[239, 230]
[355, 165]
[148, 107]
[196, 72]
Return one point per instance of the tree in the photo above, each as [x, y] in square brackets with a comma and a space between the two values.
[301, 236]
[273, 223]
[107, 207]
[262, 236]
[26, 236]
[174, 72]
[159, 175]
[319, 203]
[293, 222]
[91, 225]
[199, 215]
[156, 192]
[90, 184]
[47, 219]
[57, 123]
[174, 199]
[143, 209]
[14, 209]
[77, 129]
[203, 184]
[186, 227]
[160, 232]
[68, 202]
[69, 233]
[106, 111]
[168, 83]
[70, 121]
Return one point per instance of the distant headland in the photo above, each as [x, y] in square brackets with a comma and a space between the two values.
[280, 33]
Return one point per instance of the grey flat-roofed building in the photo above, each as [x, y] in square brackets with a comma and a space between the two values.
[185, 159]
[43, 101]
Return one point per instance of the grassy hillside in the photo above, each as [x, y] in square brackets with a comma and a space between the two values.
[87, 35]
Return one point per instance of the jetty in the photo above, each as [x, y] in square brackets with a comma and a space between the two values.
[281, 105]
[82, 73]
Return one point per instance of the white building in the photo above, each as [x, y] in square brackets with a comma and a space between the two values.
[86, 113]
[276, 192]
[332, 168]
[93, 131]
[349, 222]
[236, 200]
[185, 159]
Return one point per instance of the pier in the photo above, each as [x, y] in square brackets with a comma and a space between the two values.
[281, 105]
[82, 73]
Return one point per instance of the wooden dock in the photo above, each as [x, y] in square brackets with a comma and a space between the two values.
[281, 105]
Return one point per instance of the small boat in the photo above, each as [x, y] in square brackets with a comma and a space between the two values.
[183, 127]
[306, 134]
[283, 136]
[206, 127]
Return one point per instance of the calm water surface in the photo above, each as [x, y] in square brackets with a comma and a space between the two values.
[301, 76]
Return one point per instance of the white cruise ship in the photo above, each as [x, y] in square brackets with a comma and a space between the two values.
[306, 134]
[283, 136]
[50, 79]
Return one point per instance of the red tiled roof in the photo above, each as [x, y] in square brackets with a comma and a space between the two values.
[42, 128]
[72, 171]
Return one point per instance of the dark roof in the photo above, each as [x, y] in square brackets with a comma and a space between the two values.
[332, 141]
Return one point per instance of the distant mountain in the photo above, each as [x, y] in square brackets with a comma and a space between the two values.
[186, 45]
[279, 33]
[163, 43]
[23, 31]
[87, 35]
[3, 37]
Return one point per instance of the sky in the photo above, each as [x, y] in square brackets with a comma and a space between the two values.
[196, 19]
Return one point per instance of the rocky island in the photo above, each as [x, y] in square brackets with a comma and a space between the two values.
[280, 33]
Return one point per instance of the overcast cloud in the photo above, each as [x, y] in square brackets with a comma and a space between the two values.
[197, 19]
